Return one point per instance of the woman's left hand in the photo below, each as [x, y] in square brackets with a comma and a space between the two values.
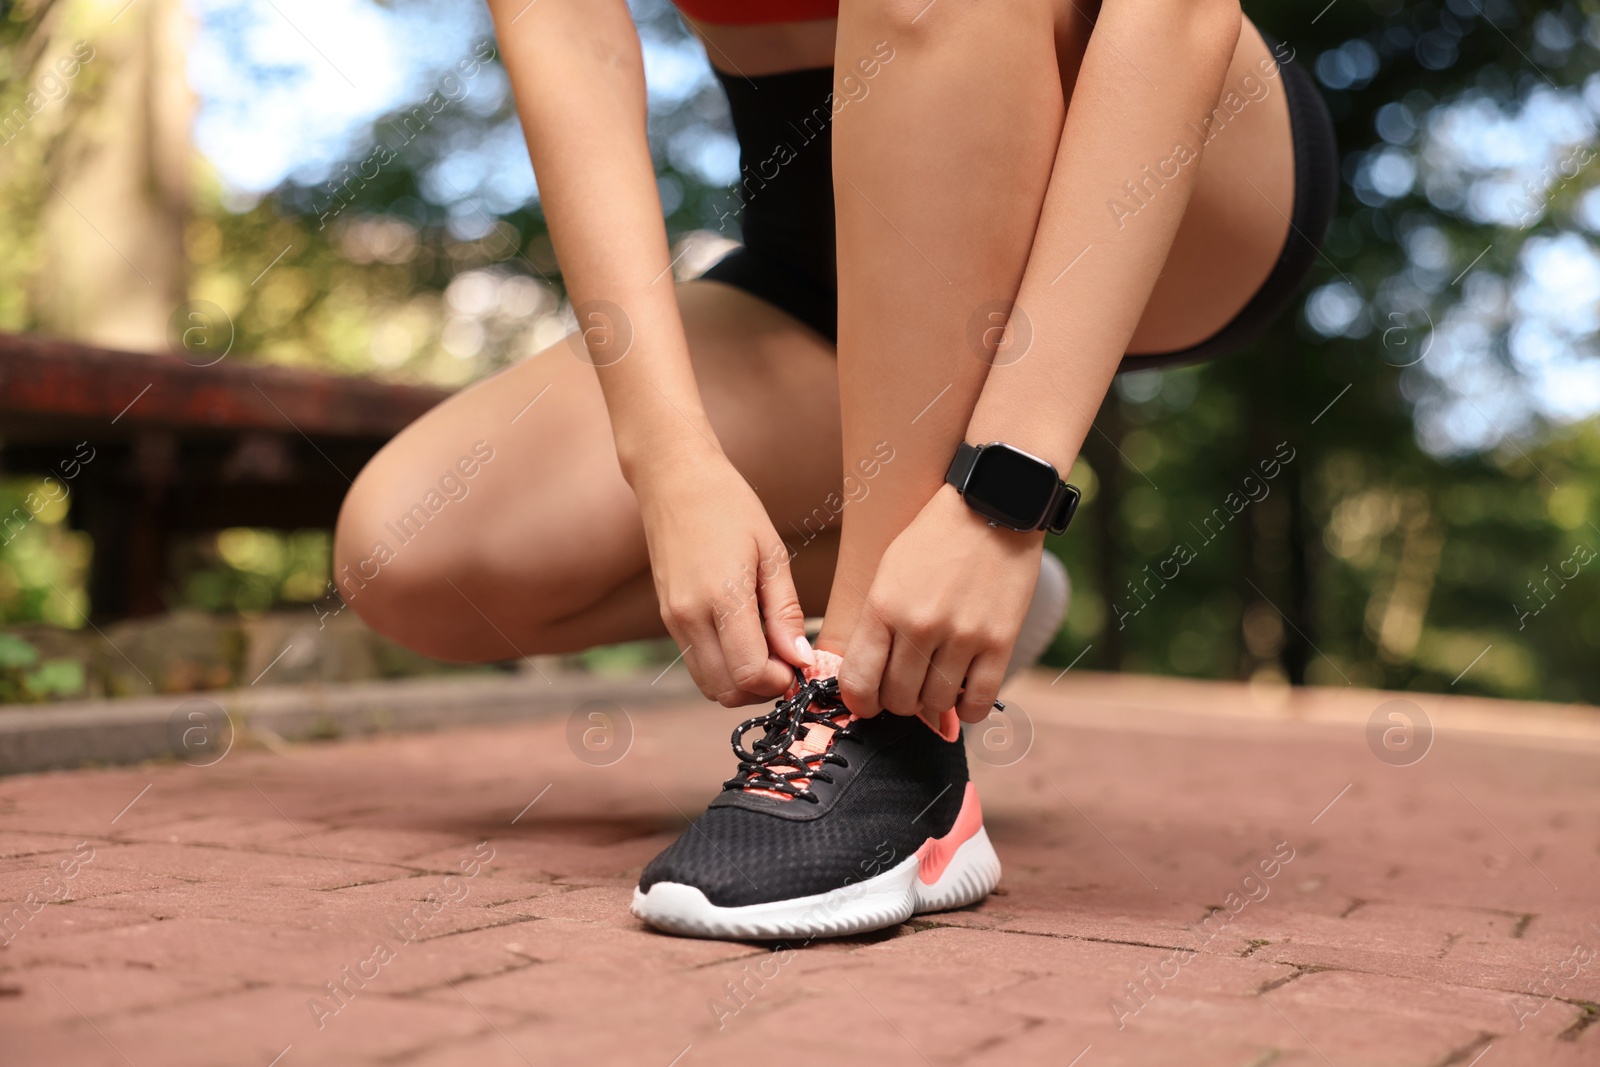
[942, 615]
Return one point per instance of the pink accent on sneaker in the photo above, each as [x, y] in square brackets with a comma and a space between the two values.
[937, 852]
[827, 666]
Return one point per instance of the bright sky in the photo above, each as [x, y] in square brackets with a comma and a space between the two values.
[284, 87]
[288, 88]
[1508, 167]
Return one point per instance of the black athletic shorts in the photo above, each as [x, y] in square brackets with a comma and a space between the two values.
[784, 204]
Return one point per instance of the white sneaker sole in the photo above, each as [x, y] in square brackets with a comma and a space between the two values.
[883, 900]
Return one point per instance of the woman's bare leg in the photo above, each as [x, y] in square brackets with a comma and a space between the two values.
[1238, 215]
[542, 549]
[939, 177]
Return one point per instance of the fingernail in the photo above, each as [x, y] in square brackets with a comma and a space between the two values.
[803, 647]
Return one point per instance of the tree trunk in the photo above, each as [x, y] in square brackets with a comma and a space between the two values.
[114, 179]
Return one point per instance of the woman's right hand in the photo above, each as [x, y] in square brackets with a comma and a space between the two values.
[722, 578]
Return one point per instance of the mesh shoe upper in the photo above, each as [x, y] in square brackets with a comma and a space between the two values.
[885, 786]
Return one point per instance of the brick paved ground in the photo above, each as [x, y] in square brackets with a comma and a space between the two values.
[1441, 913]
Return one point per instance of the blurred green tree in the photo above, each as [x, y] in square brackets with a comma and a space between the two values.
[1411, 542]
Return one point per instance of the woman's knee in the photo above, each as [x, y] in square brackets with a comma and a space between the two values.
[399, 550]
[431, 565]
[374, 574]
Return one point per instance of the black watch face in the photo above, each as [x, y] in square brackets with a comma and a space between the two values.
[1010, 486]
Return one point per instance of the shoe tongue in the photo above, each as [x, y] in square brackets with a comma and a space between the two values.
[824, 665]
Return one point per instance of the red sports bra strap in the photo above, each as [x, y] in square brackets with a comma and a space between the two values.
[757, 12]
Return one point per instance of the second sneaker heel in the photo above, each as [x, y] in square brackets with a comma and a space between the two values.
[971, 875]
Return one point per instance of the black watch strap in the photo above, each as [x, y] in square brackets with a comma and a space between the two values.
[961, 466]
[1058, 516]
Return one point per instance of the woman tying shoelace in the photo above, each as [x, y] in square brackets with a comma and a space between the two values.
[959, 223]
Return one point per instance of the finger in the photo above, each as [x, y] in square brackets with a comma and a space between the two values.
[702, 654]
[943, 685]
[718, 686]
[862, 670]
[743, 649]
[704, 661]
[903, 677]
[984, 676]
[678, 620]
[782, 617]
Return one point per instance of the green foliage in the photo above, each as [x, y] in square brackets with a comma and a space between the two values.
[41, 561]
[1370, 561]
[24, 678]
[250, 571]
[15, 653]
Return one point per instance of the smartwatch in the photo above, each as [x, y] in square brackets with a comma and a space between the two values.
[1012, 488]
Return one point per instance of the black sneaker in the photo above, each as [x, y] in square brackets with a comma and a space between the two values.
[833, 825]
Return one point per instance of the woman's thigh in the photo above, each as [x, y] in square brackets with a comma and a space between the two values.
[1237, 220]
[503, 511]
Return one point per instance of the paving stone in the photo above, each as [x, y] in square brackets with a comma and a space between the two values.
[265, 831]
[57, 994]
[1428, 912]
[484, 891]
[225, 864]
[628, 949]
[42, 876]
[598, 904]
[65, 919]
[1460, 946]
[256, 1025]
[17, 845]
[327, 911]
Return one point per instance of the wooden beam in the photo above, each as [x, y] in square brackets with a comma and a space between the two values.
[47, 384]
